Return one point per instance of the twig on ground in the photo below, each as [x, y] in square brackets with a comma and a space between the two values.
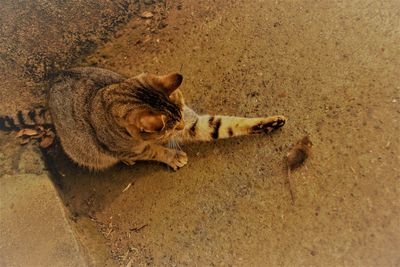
[137, 229]
[127, 187]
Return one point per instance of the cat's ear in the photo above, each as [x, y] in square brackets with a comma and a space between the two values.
[152, 123]
[169, 83]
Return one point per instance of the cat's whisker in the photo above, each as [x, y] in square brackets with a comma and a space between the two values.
[174, 144]
[169, 144]
[178, 145]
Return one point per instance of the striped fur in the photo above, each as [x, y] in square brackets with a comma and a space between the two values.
[101, 117]
[121, 100]
[25, 119]
[209, 128]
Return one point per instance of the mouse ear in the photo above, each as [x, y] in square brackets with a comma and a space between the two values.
[306, 140]
[169, 83]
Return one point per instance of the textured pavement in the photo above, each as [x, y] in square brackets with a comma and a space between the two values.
[331, 67]
[34, 225]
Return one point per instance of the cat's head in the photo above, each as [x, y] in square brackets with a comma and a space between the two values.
[151, 106]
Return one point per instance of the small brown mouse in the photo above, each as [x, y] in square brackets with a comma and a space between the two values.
[296, 157]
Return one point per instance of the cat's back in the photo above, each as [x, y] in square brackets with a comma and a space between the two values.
[72, 91]
[80, 83]
[69, 101]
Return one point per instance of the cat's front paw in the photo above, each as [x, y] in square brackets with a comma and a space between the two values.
[270, 124]
[178, 160]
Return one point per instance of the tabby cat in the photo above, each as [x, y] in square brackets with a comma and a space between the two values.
[102, 118]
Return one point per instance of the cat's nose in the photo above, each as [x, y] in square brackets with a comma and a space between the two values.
[180, 126]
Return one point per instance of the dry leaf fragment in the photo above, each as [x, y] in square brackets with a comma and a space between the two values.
[24, 141]
[51, 133]
[27, 132]
[146, 39]
[41, 134]
[46, 142]
[146, 15]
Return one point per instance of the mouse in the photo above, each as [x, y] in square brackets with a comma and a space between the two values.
[296, 158]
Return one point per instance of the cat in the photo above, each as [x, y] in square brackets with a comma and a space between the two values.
[102, 118]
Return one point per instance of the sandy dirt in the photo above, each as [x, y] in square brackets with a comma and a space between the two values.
[331, 67]
[40, 37]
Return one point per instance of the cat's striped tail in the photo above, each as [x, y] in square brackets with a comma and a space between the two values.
[208, 127]
[25, 119]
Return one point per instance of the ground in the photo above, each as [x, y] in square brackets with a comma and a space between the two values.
[40, 37]
[330, 67]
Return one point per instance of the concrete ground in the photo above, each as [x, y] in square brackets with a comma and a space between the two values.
[35, 229]
[330, 67]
